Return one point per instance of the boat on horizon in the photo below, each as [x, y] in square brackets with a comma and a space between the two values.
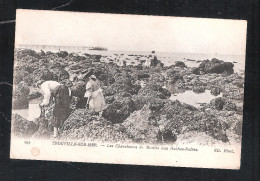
[98, 48]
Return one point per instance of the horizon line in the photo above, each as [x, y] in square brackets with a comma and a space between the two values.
[82, 46]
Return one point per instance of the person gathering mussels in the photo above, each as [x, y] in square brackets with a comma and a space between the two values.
[61, 95]
[62, 99]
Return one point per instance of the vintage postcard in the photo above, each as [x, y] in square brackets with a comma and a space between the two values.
[128, 89]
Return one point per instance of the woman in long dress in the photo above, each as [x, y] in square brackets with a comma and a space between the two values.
[61, 95]
[95, 96]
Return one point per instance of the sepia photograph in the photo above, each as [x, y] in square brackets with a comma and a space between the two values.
[128, 89]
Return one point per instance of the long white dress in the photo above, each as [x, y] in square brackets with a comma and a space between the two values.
[95, 96]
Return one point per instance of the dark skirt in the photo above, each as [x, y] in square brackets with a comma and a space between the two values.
[61, 109]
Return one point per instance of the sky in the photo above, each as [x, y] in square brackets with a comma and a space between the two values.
[131, 32]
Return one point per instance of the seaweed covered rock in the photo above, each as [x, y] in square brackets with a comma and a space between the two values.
[153, 102]
[180, 64]
[182, 118]
[236, 94]
[142, 75]
[23, 128]
[27, 52]
[78, 118]
[78, 89]
[218, 103]
[166, 136]
[222, 104]
[96, 58]
[213, 127]
[119, 110]
[21, 96]
[216, 66]
[158, 78]
[139, 128]
[176, 115]
[44, 131]
[229, 106]
[22, 75]
[35, 95]
[62, 54]
[215, 91]
[199, 89]
[82, 125]
[195, 70]
[60, 73]
[152, 95]
[123, 84]
[43, 74]
[154, 90]
[173, 76]
[106, 79]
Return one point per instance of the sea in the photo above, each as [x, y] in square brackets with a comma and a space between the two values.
[167, 58]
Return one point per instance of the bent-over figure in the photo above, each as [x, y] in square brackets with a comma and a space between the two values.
[61, 95]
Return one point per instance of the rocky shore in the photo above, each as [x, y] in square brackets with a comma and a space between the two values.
[137, 97]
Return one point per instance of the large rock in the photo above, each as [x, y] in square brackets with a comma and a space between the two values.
[35, 95]
[106, 79]
[83, 126]
[23, 128]
[62, 54]
[21, 75]
[60, 73]
[222, 104]
[43, 74]
[119, 110]
[21, 96]
[44, 131]
[26, 52]
[96, 58]
[199, 89]
[216, 66]
[181, 118]
[236, 94]
[218, 103]
[215, 91]
[152, 95]
[153, 102]
[122, 84]
[154, 90]
[78, 118]
[180, 64]
[173, 76]
[140, 128]
[78, 89]
[158, 78]
[214, 128]
[142, 75]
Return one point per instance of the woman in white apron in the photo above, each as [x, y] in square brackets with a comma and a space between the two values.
[95, 96]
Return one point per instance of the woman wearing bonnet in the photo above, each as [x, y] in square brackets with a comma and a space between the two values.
[95, 96]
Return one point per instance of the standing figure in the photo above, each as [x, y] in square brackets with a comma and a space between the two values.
[61, 95]
[95, 96]
[147, 63]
